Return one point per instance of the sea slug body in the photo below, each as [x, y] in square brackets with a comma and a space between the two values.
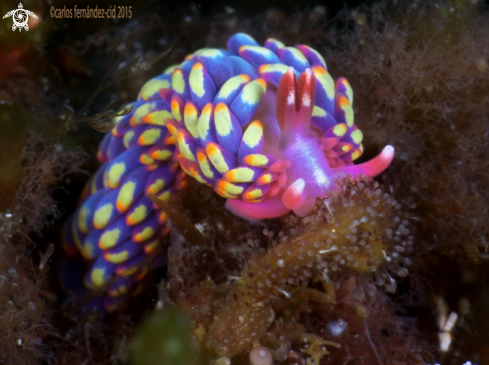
[266, 127]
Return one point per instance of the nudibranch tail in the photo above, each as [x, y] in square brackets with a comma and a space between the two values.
[266, 127]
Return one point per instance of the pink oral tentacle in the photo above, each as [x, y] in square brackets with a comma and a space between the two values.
[295, 194]
[270, 208]
[372, 167]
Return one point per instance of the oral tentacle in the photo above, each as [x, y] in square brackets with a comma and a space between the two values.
[370, 168]
[295, 194]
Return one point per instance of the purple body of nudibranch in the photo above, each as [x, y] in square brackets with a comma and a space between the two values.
[266, 127]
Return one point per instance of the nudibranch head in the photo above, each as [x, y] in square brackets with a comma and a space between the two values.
[312, 131]
[315, 160]
[266, 127]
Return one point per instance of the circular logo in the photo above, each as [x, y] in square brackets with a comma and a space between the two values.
[20, 17]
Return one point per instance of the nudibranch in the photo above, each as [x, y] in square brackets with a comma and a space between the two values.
[266, 127]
